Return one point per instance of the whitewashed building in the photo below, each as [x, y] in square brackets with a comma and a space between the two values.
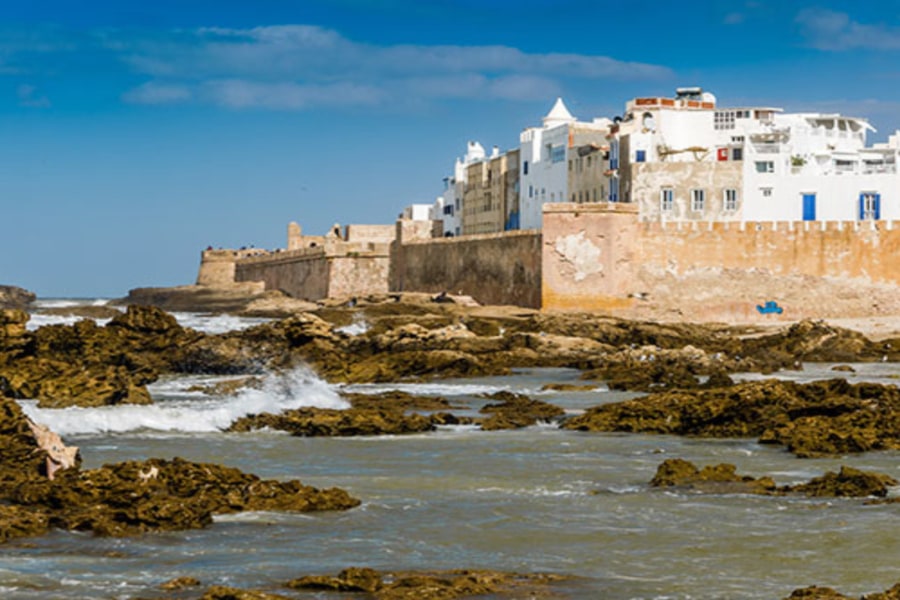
[544, 160]
[686, 159]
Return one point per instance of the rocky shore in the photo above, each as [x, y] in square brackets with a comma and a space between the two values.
[42, 486]
[684, 373]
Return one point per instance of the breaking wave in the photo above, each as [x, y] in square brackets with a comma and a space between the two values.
[192, 413]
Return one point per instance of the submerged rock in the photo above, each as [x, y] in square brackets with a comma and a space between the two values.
[815, 592]
[517, 410]
[429, 585]
[848, 482]
[811, 419]
[722, 478]
[329, 422]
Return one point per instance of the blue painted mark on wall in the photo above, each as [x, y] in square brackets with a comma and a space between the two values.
[770, 307]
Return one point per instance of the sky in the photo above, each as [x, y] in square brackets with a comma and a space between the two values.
[138, 133]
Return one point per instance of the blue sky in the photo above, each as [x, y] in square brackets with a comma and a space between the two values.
[138, 133]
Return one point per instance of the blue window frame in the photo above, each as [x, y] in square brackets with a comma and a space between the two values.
[640, 155]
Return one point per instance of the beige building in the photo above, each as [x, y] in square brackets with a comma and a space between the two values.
[491, 194]
[589, 174]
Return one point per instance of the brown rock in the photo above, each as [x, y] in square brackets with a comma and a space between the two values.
[848, 482]
[15, 297]
[517, 410]
[822, 417]
[315, 422]
[221, 592]
[429, 585]
[720, 478]
[180, 583]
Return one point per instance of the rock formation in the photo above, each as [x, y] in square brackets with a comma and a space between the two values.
[42, 486]
[15, 297]
[813, 419]
[722, 478]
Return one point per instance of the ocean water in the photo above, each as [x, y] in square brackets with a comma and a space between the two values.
[205, 322]
[537, 499]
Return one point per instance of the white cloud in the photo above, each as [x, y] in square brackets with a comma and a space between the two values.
[826, 29]
[295, 67]
[237, 93]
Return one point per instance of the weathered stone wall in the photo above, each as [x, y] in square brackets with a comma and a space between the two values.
[499, 268]
[302, 273]
[602, 258]
[217, 267]
[379, 234]
[358, 275]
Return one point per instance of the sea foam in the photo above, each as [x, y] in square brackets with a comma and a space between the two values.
[192, 414]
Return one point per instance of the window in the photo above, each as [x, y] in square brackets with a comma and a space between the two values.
[614, 154]
[766, 192]
[573, 196]
[525, 167]
[765, 166]
[737, 154]
[570, 165]
[558, 154]
[730, 199]
[448, 210]
[666, 199]
[531, 191]
[869, 206]
[698, 199]
[640, 155]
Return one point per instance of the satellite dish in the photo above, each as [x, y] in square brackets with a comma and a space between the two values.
[648, 122]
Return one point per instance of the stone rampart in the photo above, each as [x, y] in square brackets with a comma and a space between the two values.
[334, 269]
[601, 257]
[217, 267]
[498, 268]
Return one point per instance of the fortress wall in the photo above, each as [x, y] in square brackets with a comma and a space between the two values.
[302, 273]
[602, 258]
[358, 275]
[499, 268]
[216, 267]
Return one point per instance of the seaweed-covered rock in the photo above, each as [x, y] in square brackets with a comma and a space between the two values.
[812, 419]
[848, 482]
[315, 422]
[815, 592]
[718, 478]
[224, 592]
[429, 585]
[517, 410]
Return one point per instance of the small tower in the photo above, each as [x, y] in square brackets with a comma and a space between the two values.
[558, 115]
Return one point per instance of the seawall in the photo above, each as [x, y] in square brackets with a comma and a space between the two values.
[499, 268]
[600, 257]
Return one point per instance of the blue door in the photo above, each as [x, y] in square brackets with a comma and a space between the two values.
[809, 207]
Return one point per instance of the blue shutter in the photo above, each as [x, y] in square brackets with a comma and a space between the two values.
[877, 207]
[862, 207]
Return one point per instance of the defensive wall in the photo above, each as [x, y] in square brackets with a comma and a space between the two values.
[496, 268]
[601, 257]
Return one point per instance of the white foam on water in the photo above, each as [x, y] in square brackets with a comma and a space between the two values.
[210, 323]
[208, 414]
[358, 327]
[39, 320]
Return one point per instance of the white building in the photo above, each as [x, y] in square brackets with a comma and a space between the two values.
[686, 159]
[419, 212]
[545, 153]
